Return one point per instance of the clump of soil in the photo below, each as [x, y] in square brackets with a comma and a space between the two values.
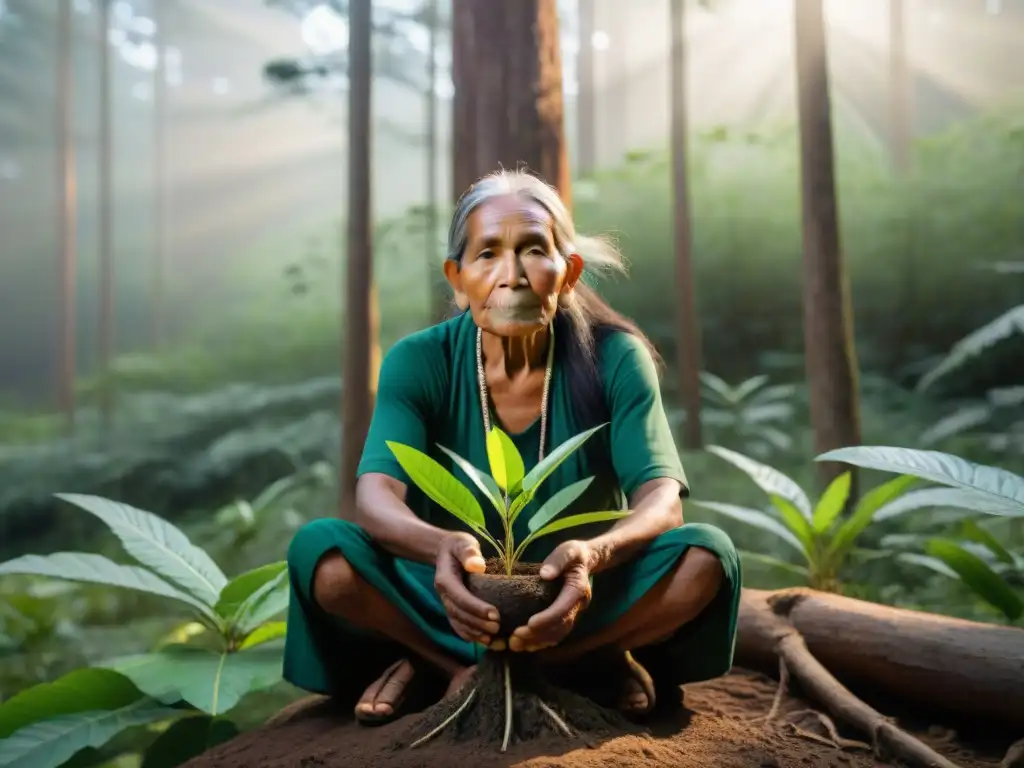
[540, 709]
[517, 597]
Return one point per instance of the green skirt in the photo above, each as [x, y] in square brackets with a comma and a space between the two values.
[324, 654]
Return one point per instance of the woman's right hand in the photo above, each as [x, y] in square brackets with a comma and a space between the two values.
[472, 619]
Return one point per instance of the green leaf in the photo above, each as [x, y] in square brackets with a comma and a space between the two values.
[264, 604]
[557, 504]
[831, 503]
[930, 498]
[931, 563]
[1003, 327]
[572, 521]
[551, 462]
[755, 518]
[96, 569]
[997, 484]
[186, 739]
[870, 503]
[971, 530]
[156, 544]
[439, 485]
[83, 690]
[238, 590]
[769, 480]
[977, 575]
[272, 630]
[774, 562]
[211, 681]
[51, 743]
[481, 480]
[518, 504]
[796, 522]
[506, 463]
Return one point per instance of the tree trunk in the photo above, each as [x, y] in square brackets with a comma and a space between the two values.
[437, 303]
[508, 108]
[963, 669]
[586, 98]
[106, 258]
[159, 177]
[828, 323]
[688, 319]
[899, 88]
[358, 315]
[67, 219]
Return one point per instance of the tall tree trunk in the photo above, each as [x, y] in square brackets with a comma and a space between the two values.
[437, 293]
[586, 98]
[899, 88]
[67, 217]
[106, 259]
[508, 106]
[159, 181]
[828, 323]
[358, 318]
[688, 320]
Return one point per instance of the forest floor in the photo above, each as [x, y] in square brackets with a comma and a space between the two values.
[721, 724]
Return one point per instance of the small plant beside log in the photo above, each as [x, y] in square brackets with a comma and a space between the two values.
[513, 587]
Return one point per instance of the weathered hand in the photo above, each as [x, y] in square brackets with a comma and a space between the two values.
[571, 560]
[471, 618]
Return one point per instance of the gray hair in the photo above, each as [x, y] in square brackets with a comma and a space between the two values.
[600, 255]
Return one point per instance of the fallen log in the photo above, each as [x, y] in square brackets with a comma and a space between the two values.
[965, 670]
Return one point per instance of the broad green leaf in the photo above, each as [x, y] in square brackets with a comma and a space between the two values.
[481, 480]
[870, 503]
[237, 590]
[958, 498]
[551, 462]
[976, 574]
[774, 562]
[188, 738]
[156, 544]
[439, 485]
[796, 522]
[211, 681]
[264, 604]
[506, 463]
[975, 532]
[573, 521]
[932, 563]
[1003, 327]
[96, 569]
[831, 503]
[272, 630]
[51, 743]
[769, 480]
[83, 690]
[943, 468]
[519, 503]
[557, 504]
[755, 518]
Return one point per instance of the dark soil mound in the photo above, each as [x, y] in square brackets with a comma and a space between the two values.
[517, 597]
[717, 728]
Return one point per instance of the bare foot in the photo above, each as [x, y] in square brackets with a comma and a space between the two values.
[459, 679]
[386, 694]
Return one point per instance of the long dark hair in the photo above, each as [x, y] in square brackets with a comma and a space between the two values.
[584, 319]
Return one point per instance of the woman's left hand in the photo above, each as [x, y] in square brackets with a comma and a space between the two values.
[571, 560]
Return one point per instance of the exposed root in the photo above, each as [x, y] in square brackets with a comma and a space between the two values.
[446, 722]
[508, 707]
[559, 722]
[780, 694]
[1014, 756]
[837, 741]
[511, 702]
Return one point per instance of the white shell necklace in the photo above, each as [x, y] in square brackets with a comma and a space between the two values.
[482, 382]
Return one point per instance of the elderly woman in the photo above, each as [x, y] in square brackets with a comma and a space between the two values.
[379, 604]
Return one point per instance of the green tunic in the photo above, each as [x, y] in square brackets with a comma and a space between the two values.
[428, 396]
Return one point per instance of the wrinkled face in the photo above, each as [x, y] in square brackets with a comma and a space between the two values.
[511, 273]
